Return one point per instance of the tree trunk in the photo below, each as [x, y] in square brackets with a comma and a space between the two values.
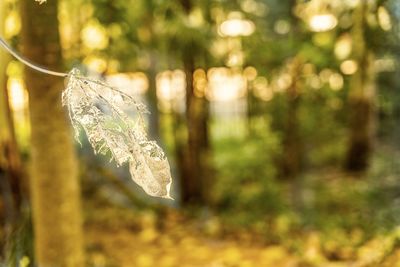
[292, 141]
[154, 128]
[361, 97]
[55, 189]
[10, 162]
[291, 158]
[194, 155]
[195, 158]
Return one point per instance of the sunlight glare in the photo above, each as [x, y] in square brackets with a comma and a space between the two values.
[12, 24]
[349, 67]
[236, 27]
[343, 47]
[384, 19]
[336, 81]
[17, 94]
[171, 90]
[322, 22]
[225, 85]
[94, 36]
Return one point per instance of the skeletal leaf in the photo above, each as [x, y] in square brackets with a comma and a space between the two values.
[94, 106]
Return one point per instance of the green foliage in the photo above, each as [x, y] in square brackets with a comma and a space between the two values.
[246, 172]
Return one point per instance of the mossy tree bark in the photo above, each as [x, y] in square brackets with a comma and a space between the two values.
[361, 96]
[55, 189]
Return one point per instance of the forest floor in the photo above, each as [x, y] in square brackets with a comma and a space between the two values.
[119, 237]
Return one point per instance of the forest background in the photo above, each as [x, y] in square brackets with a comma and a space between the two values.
[279, 119]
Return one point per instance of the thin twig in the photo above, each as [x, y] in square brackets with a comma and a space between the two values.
[27, 62]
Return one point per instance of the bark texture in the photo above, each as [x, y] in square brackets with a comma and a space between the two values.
[55, 189]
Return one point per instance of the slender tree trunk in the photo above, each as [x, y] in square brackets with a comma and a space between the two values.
[55, 189]
[151, 44]
[292, 141]
[292, 153]
[154, 127]
[194, 155]
[361, 97]
[196, 152]
[10, 162]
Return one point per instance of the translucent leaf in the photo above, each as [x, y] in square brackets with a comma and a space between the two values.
[95, 107]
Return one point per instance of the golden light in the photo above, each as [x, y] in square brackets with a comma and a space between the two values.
[171, 90]
[219, 47]
[249, 6]
[14, 69]
[164, 88]
[224, 85]
[315, 81]
[113, 66]
[12, 24]
[322, 22]
[336, 81]
[17, 94]
[130, 83]
[261, 89]
[385, 64]
[325, 75]
[235, 59]
[351, 3]
[349, 67]
[283, 82]
[96, 64]
[250, 73]
[196, 18]
[199, 82]
[94, 35]
[255, 7]
[236, 27]
[308, 69]
[384, 19]
[343, 47]
[282, 26]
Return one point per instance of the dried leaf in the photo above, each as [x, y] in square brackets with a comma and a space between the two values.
[94, 106]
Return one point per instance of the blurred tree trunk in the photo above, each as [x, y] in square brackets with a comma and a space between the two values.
[291, 158]
[192, 160]
[10, 162]
[195, 179]
[154, 124]
[150, 44]
[360, 97]
[55, 188]
[292, 154]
